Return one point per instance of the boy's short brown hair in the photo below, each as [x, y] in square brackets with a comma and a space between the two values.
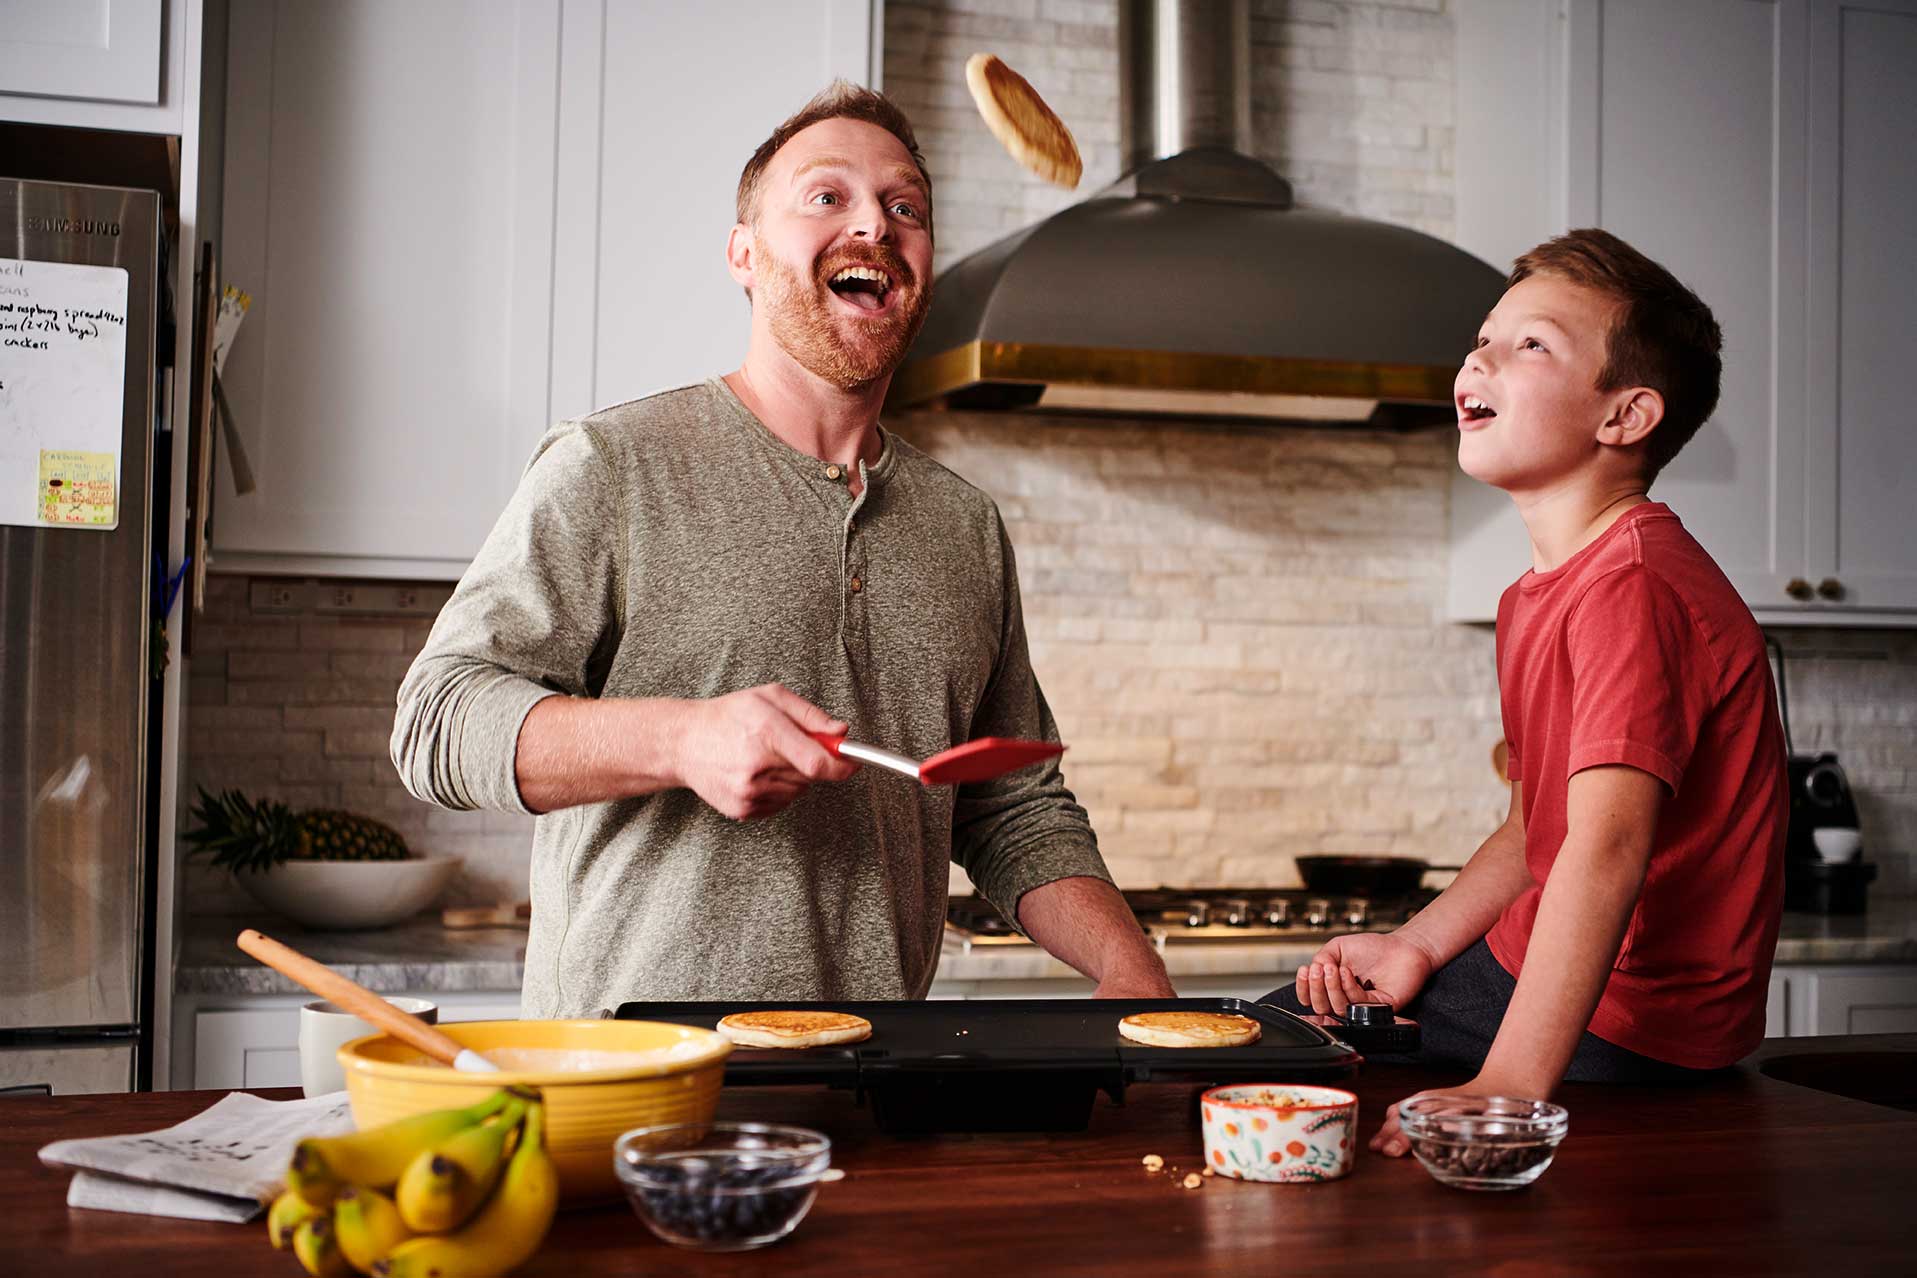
[840, 100]
[1663, 336]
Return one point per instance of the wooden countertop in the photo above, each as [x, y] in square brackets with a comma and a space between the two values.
[1746, 1176]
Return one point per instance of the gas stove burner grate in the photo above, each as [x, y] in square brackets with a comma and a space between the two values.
[1206, 914]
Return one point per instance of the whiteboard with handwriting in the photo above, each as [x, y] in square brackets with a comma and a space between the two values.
[62, 382]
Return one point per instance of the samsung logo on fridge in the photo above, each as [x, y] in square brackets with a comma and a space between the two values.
[72, 225]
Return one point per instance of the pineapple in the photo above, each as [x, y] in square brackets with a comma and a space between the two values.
[242, 835]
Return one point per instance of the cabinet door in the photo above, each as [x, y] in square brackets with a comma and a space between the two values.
[1705, 173]
[651, 142]
[1863, 275]
[247, 1048]
[103, 50]
[389, 206]
[1857, 1000]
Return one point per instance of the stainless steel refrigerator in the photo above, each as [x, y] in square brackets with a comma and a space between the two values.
[79, 293]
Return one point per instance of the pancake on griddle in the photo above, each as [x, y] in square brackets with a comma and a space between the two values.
[1190, 1029]
[794, 1029]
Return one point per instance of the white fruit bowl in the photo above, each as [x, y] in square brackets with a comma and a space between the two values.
[341, 896]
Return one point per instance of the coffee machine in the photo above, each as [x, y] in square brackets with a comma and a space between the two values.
[1821, 799]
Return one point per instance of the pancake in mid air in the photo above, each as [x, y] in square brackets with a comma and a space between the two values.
[1021, 121]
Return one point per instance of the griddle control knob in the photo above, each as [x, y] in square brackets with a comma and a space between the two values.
[1370, 1015]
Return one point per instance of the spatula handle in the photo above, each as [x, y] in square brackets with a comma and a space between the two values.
[838, 745]
[359, 1000]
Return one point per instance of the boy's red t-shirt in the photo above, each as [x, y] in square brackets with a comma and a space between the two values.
[1638, 651]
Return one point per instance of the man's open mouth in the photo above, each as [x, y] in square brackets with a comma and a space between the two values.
[1473, 409]
[866, 287]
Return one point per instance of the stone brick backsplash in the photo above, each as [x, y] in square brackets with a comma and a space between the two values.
[1239, 629]
[299, 707]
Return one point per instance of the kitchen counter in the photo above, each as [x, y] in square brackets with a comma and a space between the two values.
[1748, 1175]
[421, 955]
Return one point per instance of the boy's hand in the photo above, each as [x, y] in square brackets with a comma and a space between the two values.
[1365, 967]
[1390, 1139]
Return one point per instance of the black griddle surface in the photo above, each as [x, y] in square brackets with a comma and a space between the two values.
[982, 1056]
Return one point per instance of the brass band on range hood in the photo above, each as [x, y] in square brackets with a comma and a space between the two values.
[1033, 364]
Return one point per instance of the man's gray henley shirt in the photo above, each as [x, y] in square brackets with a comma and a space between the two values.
[674, 547]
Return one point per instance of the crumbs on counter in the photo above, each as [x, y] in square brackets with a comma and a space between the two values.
[1193, 1180]
[1153, 1163]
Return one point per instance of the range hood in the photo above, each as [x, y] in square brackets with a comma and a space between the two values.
[1193, 285]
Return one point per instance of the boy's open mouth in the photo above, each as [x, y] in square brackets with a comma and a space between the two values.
[866, 287]
[1473, 409]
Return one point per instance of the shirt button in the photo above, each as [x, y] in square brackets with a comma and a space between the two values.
[857, 585]
[833, 472]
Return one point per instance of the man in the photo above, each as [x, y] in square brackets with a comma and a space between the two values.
[686, 586]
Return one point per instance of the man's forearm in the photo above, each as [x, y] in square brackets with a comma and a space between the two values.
[1494, 877]
[1084, 921]
[575, 750]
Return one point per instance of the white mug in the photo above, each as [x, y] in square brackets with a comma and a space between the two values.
[324, 1027]
[1836, 843]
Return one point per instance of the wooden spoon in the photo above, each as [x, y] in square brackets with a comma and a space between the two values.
[362, 1002]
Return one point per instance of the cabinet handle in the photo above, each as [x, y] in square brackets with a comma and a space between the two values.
[1830, 588]
[1798, 588]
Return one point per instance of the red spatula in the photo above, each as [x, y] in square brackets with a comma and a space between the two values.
[978, 760]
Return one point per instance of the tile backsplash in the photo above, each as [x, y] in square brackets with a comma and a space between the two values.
[1240, 629]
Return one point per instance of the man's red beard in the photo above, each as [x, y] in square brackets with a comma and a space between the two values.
[810, 325]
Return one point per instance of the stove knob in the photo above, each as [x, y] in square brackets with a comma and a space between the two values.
[1237, 913]
[1358, 913]
[1318, 913]
[1278, 913]
[1197, 914]
[1370, 1015]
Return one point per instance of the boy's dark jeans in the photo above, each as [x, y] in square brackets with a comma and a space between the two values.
[1459, 1011]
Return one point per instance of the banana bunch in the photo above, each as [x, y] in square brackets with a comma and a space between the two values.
[458, 1193]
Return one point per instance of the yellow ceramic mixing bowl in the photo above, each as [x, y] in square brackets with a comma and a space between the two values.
[586, 1110]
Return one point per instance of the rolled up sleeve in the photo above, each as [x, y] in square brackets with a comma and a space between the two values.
[533, 617]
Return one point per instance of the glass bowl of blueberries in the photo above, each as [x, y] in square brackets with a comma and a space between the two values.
[1483, 1142]
[722, 1186]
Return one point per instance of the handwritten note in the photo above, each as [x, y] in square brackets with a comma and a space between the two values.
[62, 392]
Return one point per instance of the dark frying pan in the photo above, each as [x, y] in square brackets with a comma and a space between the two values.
[1368, 876]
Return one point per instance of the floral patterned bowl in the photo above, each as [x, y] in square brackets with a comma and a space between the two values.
[1279, 1132]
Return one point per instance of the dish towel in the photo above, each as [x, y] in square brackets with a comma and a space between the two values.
[224, 1163]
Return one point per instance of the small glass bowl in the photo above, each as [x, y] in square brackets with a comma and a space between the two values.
[722, 1186]
[1483, 1142]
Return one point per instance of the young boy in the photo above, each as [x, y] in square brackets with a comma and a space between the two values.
[1619, 925]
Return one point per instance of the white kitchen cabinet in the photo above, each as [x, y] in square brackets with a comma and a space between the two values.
[461, 222]
[253, 1040]
[1852, 999]
[1778, 186]
[246, 1049]
[127, 65]
[102, 49]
